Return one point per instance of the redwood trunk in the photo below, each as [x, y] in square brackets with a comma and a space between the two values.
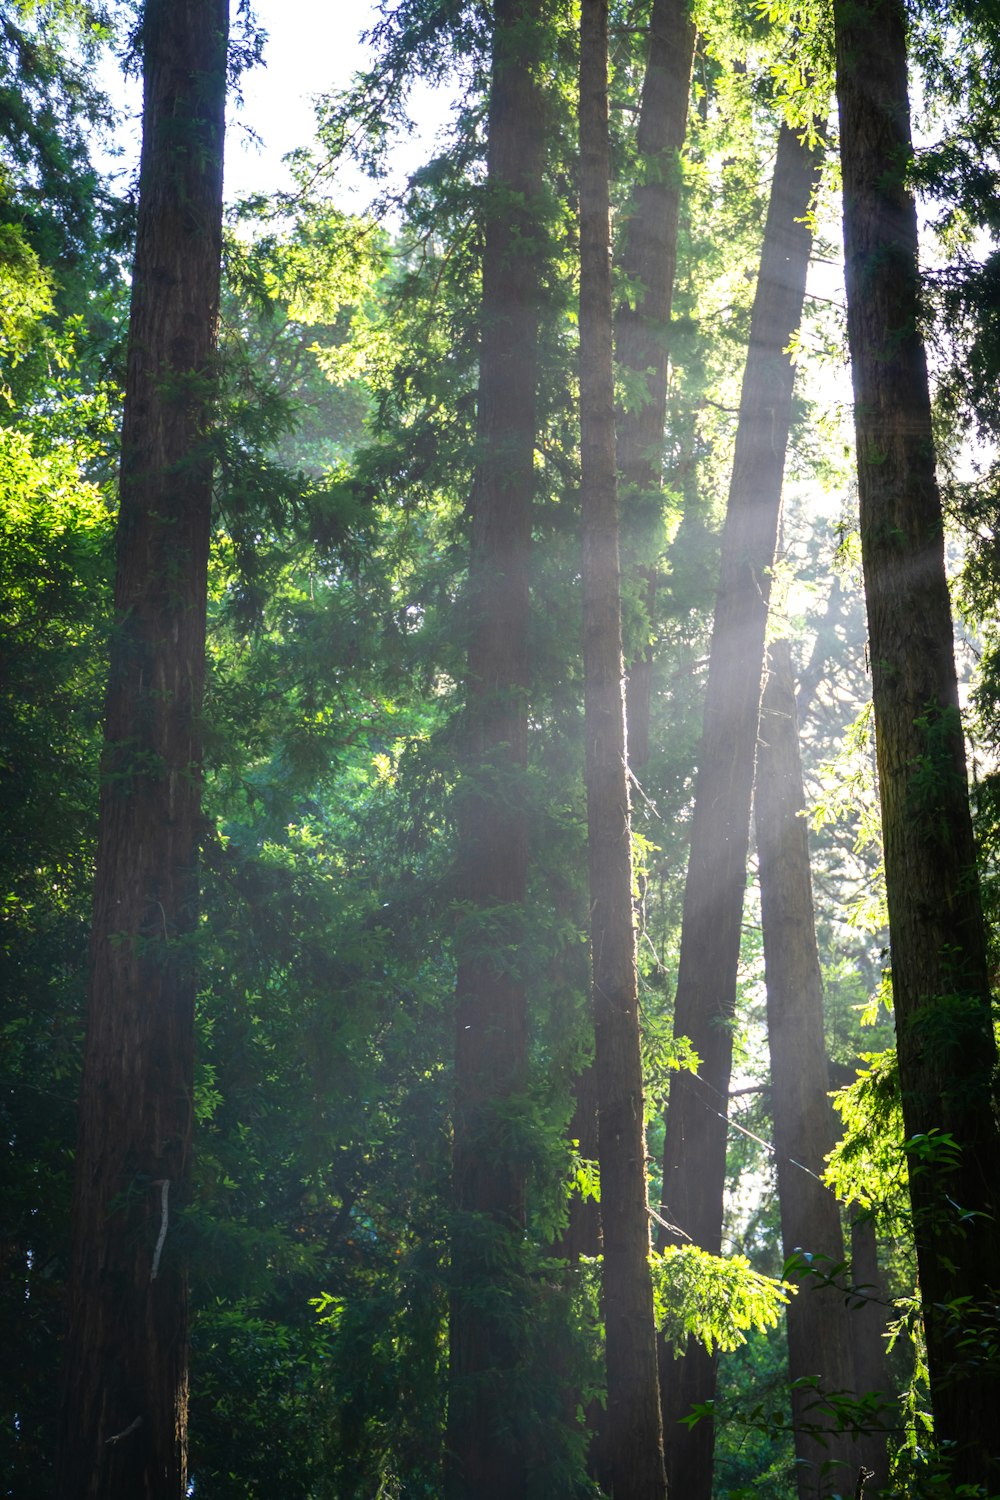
[694, 1165]
[818, 1322]
[868, 1343]
[634, 1439]
[123, 1426]
[486, 1417]
[648, 260]
[946, 1049]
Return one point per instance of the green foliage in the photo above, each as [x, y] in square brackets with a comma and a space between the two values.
[63, 231]
[663, 1054]
[319, 1231]
[55, 535]
[258, 1424]
[849, 795]
[803, 68]
[26, 291]
[714, 1299]
[868, 1166]
[754, 1449]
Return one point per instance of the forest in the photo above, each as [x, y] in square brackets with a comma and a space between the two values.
[500, 758]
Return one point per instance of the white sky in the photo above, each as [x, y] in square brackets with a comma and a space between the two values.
[312, 47]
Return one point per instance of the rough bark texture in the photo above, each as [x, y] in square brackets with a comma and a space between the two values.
[947, 1055]
[648, 258]
[818, 1322]
[635, 1444]
[485, 1439]
[123, 1427]
[694, 1163]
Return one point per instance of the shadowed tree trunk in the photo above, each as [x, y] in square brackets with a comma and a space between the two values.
[824, 646]
[648, 259]
[486, 1417]
[868, 1346]
[583, 1237]
[633, 1426]
[947, 1055]
[124, 1413]
[818, 1321]
[694, 1164]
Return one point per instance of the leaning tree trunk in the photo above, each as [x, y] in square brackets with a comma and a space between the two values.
[694, 1163]
[486, 1406]
[818, 1321]
[946, 1049]
[633, 1426]
[648, 259]
[124, 1413]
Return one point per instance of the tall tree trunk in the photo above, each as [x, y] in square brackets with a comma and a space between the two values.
[648, 259]
[946, 1049]
[694, 1164]
[124, 1414]
[485, 1438]
[636, 1449]
[868, 1346]
[818, 1322]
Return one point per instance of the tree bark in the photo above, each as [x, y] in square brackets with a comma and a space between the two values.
[694, 1163]
[818, 1322]
[945, 1042]
[635, 1443]
[868, 1346]
[486, 1419]
[648, 260]
[124, 1412]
